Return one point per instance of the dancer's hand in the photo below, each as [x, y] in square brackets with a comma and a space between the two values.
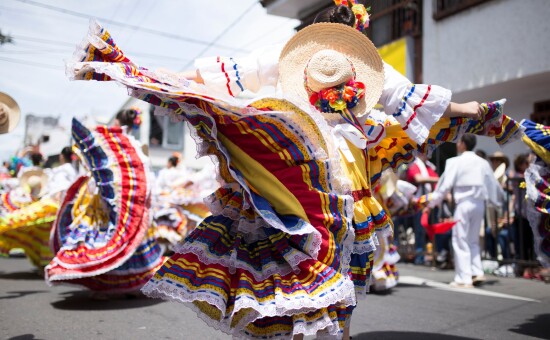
[472, 110]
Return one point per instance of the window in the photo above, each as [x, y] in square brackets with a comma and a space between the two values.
[446, 8]
[394, 19]
[541, 113]
[165, 133]
[389, 19]
[173, 136]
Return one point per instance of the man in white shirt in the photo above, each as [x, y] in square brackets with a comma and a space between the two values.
[473, 183]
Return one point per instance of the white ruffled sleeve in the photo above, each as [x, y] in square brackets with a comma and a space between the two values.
[417, 107]
[238, 75]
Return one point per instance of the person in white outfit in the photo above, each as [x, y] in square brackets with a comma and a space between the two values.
[173, 175]
[62, 176]
[473, 183]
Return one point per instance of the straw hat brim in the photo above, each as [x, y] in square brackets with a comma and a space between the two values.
[388, 184]
[14, 113]
[341, 38]
[500, 171]
[24, 180]
[498, 155]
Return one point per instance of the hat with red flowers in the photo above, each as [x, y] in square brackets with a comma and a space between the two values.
[334, 66]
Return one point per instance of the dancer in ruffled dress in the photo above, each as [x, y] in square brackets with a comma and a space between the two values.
[537, 181]
[102, 237]
[394, 195]
[26, 222]
[275, 258]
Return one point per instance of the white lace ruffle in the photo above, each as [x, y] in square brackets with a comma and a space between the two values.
[341, 294]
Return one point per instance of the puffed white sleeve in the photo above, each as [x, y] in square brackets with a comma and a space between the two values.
[417, 107]
[235, 75]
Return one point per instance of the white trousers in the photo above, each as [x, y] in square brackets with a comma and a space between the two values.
[469, 215]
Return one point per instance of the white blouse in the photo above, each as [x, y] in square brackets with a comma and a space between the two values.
[168, 178]
[61, 178]
[417, 107]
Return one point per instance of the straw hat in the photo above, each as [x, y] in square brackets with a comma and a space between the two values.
[9, 113]
[500, 173]
[323, 55]
[388, 184]
[499, 155]
[35, 181]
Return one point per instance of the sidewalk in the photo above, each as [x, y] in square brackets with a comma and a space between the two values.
[532, 289]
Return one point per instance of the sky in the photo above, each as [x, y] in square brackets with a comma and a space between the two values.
[153, 33]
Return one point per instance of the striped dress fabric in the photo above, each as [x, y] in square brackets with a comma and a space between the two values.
[101, 237]
[293, 230]
[537, 179]
[13, 200]
[28, 228]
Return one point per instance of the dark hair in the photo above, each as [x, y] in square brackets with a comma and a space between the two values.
[469, 141]
[174, 161]
[67, 153]
[481, 153]
[336, 14]
[126, 117]
[520, 159]
[36, 158]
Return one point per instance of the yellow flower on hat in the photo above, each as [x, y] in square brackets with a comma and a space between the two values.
[339, 105]
[359, 9]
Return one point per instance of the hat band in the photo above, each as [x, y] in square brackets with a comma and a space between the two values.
[338, 98]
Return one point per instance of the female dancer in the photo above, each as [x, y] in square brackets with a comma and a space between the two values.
[537, 179]
[101, 238]
[26, 222]
[274, 259]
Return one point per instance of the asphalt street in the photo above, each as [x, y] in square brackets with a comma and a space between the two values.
[421, 307]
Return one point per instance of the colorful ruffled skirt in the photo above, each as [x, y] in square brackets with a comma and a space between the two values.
[28, 228]
[384, 272]
[102, 237]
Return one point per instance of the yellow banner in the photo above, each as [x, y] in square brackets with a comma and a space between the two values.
[395, 54]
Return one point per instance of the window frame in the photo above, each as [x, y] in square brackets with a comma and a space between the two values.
[440, 12]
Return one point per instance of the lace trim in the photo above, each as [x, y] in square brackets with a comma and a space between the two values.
[341, 296]
[112, 268]
[370, 244]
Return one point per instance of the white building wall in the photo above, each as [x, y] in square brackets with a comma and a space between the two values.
[491, 43]
[499, 49]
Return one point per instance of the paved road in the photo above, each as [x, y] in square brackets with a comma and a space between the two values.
[422, 307]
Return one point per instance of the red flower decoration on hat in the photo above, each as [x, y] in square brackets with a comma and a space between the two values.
[338, 98]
